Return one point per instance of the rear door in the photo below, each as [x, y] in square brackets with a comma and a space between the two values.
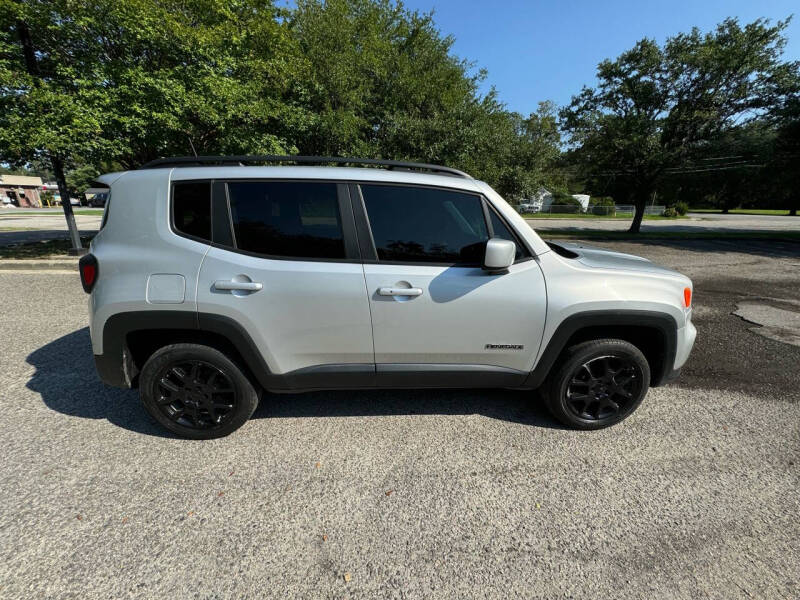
[437, 317]
[288, 271]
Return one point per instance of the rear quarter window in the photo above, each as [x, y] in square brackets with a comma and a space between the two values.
[191, 209]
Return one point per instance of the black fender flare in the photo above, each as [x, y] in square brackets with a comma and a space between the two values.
[663, 322]
[115, 365]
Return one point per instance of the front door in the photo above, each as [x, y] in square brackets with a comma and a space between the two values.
[437, 317]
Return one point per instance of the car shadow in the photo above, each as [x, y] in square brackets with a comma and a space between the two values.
[65, 378]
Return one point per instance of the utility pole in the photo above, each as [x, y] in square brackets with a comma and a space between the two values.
[32, 66]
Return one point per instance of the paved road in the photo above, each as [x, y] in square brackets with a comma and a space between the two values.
[47, 224]
[694, 223]
[23, 226]
[413, 494]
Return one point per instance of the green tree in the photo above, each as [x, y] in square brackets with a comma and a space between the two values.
[382, 82]
[50, 109]
[655, 108]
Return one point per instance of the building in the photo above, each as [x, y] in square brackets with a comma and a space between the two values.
[20, 190]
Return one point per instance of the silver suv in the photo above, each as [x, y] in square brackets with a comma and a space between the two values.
[212, 279]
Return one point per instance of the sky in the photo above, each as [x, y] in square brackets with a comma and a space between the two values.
[536, 51]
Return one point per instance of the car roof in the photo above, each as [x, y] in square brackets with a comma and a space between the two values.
[356, 174]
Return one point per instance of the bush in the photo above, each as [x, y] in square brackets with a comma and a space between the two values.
[565, 204]
[681, 208]
[47, 198]
[670, 212]
[602, 206]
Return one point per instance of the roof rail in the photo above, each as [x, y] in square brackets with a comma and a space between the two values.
[189, 161]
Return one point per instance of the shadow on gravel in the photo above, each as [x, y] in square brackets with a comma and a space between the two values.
[66, 379]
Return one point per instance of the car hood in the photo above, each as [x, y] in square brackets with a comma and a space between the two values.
[607, 259]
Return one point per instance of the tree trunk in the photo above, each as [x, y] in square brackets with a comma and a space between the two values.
[28, 52]
[640, 203]
[61, 180]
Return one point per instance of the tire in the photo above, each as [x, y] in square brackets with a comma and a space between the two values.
[597, 384]
[196, 391]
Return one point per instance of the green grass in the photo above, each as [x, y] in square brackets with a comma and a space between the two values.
[44, 249]
[96, 212]
[742, 211]
[617, 217]
[670, 235]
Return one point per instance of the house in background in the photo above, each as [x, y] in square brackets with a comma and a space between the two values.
[20, 190]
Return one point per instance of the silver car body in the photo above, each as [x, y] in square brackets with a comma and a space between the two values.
[317, 315]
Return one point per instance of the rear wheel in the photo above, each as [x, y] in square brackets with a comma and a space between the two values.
[597, 384]
[196, 391]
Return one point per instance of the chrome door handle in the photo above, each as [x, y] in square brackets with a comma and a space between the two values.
[247, 286]
[392, 291]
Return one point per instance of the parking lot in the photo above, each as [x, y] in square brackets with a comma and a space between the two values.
[411, 494]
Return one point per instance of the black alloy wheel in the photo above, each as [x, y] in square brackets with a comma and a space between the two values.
[597, 383]
[601, 388]
[196, 394]
[197, 391]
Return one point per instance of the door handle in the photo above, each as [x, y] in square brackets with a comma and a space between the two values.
[393, 291]
[246, 286]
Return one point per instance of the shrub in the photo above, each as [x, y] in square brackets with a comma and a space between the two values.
[564, 203]
[670, 212]
[47, 198]
[602, 206]
[681, 208]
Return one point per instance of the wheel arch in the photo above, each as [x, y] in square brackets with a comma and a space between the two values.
[130, 338]
[654, 333]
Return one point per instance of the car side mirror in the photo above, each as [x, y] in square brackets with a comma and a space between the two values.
[499, 255]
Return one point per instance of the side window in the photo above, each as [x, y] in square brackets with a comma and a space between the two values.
[414, 224]
[106, 208]
[502, 231]
[191, 208]
[287, 219]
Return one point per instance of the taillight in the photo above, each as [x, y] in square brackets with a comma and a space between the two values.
[88, 269]
[687, 297]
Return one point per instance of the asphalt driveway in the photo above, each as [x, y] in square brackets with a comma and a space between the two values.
[409, 494]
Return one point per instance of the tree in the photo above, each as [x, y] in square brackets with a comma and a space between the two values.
[382, 82]
[91, 83]
[656, 108]
[49, 110]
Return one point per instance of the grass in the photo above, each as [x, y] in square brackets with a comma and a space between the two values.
[743, 211]
[670, 235]
[44, 249]
[617, 217]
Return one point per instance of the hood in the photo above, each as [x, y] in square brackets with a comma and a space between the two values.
[607, 259]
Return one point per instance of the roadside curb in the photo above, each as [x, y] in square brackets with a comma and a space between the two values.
[57, 264]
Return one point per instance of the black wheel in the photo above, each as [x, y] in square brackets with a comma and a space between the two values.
[597, 384]
[196, 391]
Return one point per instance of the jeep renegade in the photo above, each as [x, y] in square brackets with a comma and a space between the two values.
[214, 278]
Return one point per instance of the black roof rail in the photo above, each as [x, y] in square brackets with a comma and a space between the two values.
[189, 161]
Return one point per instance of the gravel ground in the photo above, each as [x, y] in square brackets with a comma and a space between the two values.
[409, 494]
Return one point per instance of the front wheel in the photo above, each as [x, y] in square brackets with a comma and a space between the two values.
[597, 384]
[196, 391]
